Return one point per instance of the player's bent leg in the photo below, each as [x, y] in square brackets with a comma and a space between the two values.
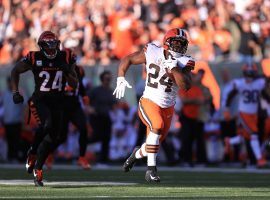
[129, 163]
[151, 175]
[255, 146]
[44, 149]
[152, 147]
[152, 116]
[30, 161]
[38, 177]
[41, 113]
[230, 141]
[79, 120]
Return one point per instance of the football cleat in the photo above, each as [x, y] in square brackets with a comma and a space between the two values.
[83, 162]
[38, 178]
[129, 163]
[30, 162]
[151, 176]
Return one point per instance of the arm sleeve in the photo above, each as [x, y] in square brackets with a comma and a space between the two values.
[80, 74]
[70, 56]
[29, 59]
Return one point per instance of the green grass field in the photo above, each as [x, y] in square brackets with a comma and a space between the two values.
[174, 185]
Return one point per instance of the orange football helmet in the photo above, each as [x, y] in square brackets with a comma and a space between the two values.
[250, 70]
[175, 40]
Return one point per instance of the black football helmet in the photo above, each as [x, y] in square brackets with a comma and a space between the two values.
[49, 44]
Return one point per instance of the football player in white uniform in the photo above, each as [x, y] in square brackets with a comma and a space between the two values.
[249, 89]
[168, 68]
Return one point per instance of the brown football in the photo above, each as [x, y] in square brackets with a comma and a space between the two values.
[170, 75]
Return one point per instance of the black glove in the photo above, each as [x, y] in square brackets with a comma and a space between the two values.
[17, 98]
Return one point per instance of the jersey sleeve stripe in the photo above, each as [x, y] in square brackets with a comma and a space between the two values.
[191, 62]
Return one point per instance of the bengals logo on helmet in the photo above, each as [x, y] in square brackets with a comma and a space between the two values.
[49, 44]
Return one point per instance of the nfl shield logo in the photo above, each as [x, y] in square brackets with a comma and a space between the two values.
[39, 62]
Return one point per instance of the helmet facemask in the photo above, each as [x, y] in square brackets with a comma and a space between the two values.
[49, 47]
[250, 74]
[177, 46]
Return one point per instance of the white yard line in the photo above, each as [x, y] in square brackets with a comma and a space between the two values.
[65, 183]
[89, 197]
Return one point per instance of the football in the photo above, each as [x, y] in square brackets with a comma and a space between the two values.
[170, 74]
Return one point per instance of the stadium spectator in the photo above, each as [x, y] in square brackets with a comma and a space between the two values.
[248, 44]
[12, 119]
[192, 126]
[102, 100]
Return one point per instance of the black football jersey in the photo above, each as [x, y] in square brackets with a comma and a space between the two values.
[80, 90]
[48, 73]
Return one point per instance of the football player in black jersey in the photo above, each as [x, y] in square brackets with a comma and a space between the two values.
[51, 68]
[75, 114]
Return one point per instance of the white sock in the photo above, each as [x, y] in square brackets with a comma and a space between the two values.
[235, 140]
[141, 152]
[152, 146]
[255, 145]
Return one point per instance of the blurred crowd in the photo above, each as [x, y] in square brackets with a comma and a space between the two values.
[101, 31]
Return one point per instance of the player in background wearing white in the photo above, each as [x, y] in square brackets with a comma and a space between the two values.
[249, 89]
[168, 68]
[265, 106]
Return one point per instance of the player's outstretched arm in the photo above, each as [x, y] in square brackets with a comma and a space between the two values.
[18, 69]
[132, 59]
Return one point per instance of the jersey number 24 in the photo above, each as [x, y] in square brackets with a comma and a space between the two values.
[57, 82]
[163, 80]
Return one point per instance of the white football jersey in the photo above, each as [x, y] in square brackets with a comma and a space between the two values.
[249, 94]
[159, 88]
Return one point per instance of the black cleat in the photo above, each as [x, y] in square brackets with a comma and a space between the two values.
[30, 162]
[129, 163]
[38, 176]
[151, 176]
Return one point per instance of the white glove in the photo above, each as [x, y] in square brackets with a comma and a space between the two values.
[119, 91]
[170, 63]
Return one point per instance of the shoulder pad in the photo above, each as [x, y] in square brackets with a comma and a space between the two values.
[186, 61]
[30, 57]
